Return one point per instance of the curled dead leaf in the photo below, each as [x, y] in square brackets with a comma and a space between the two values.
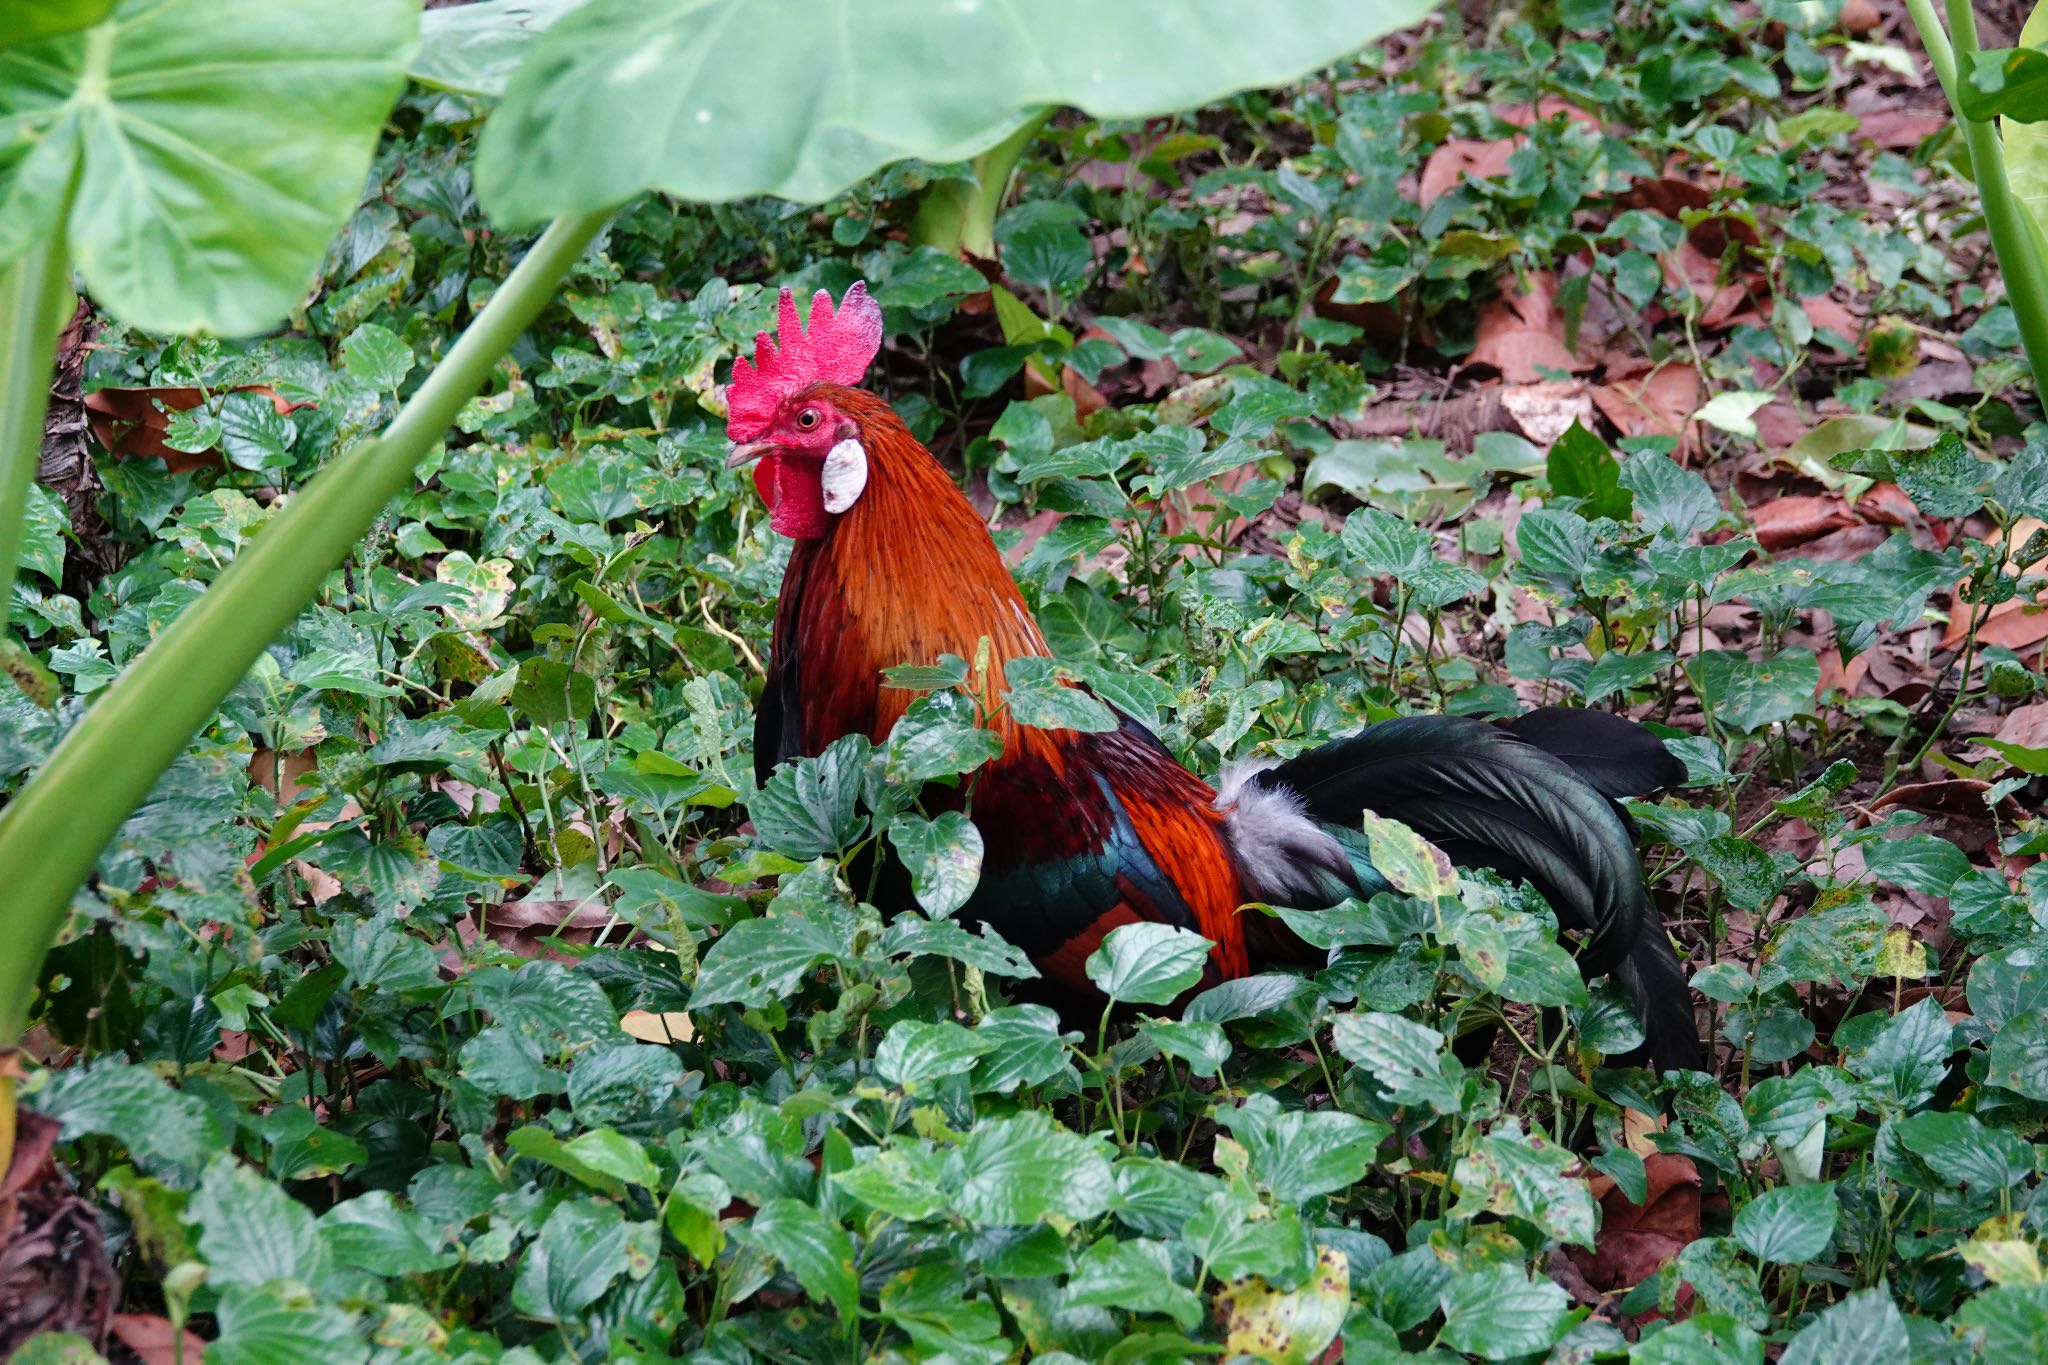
[1957, 797]
[54, 1271]
[1785, 522]
[1901, 129]
[1674, 199]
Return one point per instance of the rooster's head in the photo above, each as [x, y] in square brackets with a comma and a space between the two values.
[811, 464]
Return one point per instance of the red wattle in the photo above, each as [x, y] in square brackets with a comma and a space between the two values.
[797, 507]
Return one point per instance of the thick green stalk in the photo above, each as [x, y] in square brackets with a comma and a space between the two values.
[32, 291]
[53, 832]
[2014, 238]
[954, 216]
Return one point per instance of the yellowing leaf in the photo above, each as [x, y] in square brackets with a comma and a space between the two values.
[668, 1026]
[1285, 1327]
[1734, 411]
[1902, 956]
[2003, 1261]
[1415, 866]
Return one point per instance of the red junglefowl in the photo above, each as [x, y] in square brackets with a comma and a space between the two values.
[1087, 831]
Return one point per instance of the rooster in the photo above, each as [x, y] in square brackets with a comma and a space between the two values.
[1084, 832]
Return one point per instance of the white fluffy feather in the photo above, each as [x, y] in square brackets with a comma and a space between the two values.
[1275, 843]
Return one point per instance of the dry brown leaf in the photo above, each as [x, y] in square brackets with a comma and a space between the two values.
[1838, 676]
[1087, 398]
[1661, 404]
[2015, 623]
[1195, 508]
[54, 1271]
[1639, 1130]
[1689, 268]
[1933, 379]
[34, 1137]
[1785, 522]
[468, 798]
[668, 1026]
[2026, 726]
[129, 422]
[155, 1340]
[1778, 424]
[1033, 530]
[1900, 129]
[1546, 411]
[1550, 106]
[1449, 164]
[1483, 160]
[1521, 332]
[1636, 1239]
[1849, 543]
[1673, 198]
[1824, 311]
[1888, 504]
[1954, 797]
[525, 926]
[283, 776]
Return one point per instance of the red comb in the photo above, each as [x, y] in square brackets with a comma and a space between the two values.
[834, 349]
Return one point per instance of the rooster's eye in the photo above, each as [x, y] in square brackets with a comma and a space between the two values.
[807, 419]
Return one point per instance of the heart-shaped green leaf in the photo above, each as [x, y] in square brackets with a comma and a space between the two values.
[215, 146]
[30, 20]
[1147, 964]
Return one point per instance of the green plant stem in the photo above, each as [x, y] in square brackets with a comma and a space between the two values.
[53, 832]
[32, 291]
[956, 217]
[2014, 240]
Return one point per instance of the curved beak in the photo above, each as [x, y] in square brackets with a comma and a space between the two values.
[748, 453]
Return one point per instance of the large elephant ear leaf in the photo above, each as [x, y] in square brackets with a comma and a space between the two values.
[473, 49]
[208, 149]
[2026, 144]
[726, 99]
[28, 21]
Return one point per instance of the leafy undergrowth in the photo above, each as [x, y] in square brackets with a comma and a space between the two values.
[458, 997]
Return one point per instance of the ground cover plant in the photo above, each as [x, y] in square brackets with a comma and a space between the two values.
[455, 993]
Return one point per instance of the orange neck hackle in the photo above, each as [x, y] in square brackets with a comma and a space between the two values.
[916, 573]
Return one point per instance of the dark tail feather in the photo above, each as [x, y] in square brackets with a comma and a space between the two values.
[1487, 799]
[1490, 798]
[1655, 981]
[1617, 758]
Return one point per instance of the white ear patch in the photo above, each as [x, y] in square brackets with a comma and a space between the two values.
[845, 476]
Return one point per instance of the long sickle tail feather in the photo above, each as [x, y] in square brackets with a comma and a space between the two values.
[1494, 797]
[1615, 757]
